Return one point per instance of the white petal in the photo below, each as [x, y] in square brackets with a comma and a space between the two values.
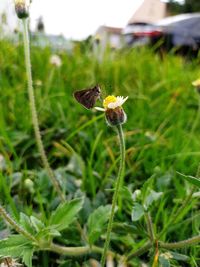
[121, 99]
[100, 109]
[118, 103]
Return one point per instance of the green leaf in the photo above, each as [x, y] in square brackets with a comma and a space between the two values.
[163, 261]
[152, 197]
[25, 222]
[37, 224]
[65, 214]
[27, 256]
[191, 179]
[137, 212]
[97, 222]
[13, 246]
[179, 257]
[48, 232]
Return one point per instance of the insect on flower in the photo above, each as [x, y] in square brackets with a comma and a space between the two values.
[88, 97]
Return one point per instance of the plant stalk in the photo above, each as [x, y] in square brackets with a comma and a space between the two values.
[34, 112]
[181, 244]
[77, 251]
[150, 227]
[14, 224]
[175, 245]
[116, 192]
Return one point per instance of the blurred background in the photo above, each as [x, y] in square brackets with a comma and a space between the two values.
[118, 24]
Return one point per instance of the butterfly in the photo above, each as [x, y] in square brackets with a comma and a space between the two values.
[88, 97]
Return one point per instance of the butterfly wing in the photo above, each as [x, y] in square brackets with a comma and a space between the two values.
[87, 97]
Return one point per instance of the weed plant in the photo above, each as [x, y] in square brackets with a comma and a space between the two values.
[156, 206]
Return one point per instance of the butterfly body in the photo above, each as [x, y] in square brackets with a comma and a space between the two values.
[88, 97]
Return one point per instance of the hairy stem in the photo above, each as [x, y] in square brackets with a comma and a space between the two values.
[150, 227]
[78, 251]
[116, 192]
[175, 245]
[181, 244]
[14, 224]
[34, 112]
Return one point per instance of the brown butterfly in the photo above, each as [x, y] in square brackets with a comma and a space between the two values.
[88, 97]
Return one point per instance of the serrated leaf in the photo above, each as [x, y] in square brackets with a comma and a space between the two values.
[191, 179]
[27, 256]
[25, 222]
[152, 197]
[37, 224]
[137, 212]
[13, 246]
[65, 214]
[97, 222]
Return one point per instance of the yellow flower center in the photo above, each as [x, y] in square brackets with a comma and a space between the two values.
[109, 99]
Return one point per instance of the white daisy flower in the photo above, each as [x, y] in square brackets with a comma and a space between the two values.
[114, 113]
[56, 61]
[119, 101]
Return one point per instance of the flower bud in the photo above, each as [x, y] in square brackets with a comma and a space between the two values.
[28, 183]
[115, 116]
[22, 9]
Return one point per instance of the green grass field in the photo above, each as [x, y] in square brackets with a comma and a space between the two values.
[162, 135]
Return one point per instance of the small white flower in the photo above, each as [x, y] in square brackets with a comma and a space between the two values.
[114, 112]
[118, 102]
[56, 61]
[22, 8]
[112, 102]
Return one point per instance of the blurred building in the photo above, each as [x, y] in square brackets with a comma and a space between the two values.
[109, 36]
[150, 11]
[140, 24]
[55, 42]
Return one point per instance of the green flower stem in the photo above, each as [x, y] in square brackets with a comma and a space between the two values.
[14, 224]
[150, 227]
[116, 192]
[34, 112]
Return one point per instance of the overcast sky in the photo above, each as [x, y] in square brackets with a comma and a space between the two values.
[76, 18]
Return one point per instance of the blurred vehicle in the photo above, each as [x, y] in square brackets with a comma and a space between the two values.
[140, 33]
[181, 32]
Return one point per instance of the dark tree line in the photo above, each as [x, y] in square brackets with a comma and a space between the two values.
[189, 6]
